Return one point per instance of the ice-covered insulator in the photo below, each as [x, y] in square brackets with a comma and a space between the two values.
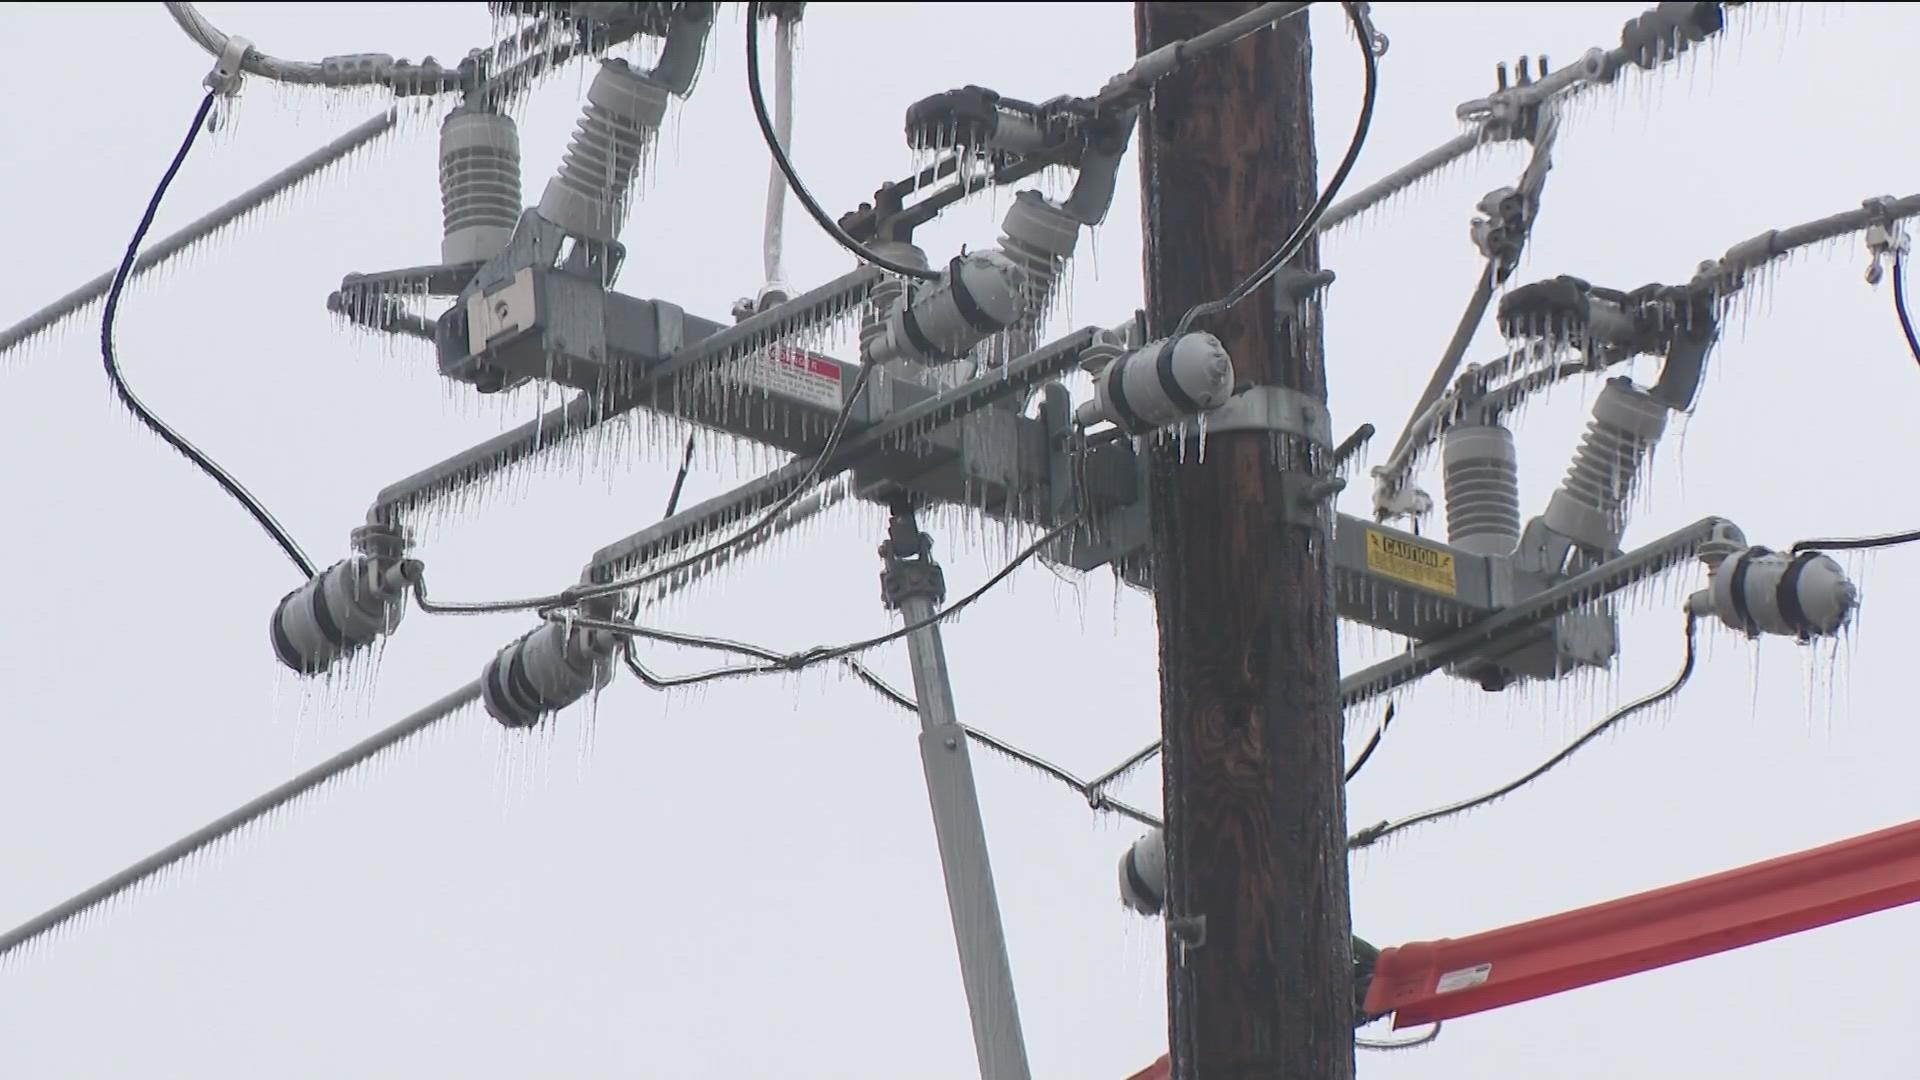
[1163, 383]
[589, 196]
[1758, 591]
[1590, 507]
[1481, 470]
[479, 185]
[1040, 235]
[547, 670]
[978, 296]
[1143, 874]
[348, 606]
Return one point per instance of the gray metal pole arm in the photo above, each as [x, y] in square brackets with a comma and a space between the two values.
[1569, 595]
[693, 362]
[687, 526]
[219, 218]
[352, 757]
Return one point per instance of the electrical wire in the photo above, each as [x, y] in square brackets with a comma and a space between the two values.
[172, 438]
[566, 598]
[1900, 305]
[819, 654]
[758, 94]
[367, 749]
[1092, 790]
[1857, 543]
[1422, 1039]
[1373, 744]
[1308, 224]
[680, 478]
[1374, 834]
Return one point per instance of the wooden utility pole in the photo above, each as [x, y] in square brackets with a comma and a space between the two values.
[1259, 958]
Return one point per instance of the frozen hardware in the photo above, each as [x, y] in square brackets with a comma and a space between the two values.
[479, 185]
[1159, 385]
[590, 195]
[1143, 874]
[978, 296]
[547, 670]
[1757, 591]
[347, 607]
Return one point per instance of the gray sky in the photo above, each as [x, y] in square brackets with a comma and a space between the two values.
[741, 881]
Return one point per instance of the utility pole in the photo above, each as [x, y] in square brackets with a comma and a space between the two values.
[1259, 957]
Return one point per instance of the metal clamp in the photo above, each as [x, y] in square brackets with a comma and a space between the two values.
[1274, 408]
[1887, 240]
[224, 79]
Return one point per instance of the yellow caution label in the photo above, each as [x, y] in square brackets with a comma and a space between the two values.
[1407, 560]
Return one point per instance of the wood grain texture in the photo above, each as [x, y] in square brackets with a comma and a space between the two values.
[1249, 673]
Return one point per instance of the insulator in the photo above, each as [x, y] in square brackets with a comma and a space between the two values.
[542, 673]
[479, 185]
[1482, 473]
[590, 195]
[1590, 506]
[1143, 874]
[1758, 591]
[347, 607]
[979, 296]
[1163, 383]
[1039, 236]
[1671, 28]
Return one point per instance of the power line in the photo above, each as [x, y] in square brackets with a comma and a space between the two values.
[554, 601]
[800, 191]
[1366, 752]
[1425, 1038]
[1091, 790]
[1311, 222]
[1374, 834]
[819, 654]
[1900, 304]
[146, 416]
[227, 824]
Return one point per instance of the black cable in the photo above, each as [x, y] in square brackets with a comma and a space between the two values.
[820, 654]
[1369, 836]
[680, 480]
[1886, 540]
[1856, 543]
[785, 164]
[1900, 305]
[1309, 224]
[1373, 744]
[125, 394]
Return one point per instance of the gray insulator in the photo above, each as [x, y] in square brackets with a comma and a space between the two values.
[1590, 507]
[1039, 236]
[980, 295]
[350, 605]
[1143, 874]
[590, 195]
[1482, 474]
[1163, 383]
[1758, 591]
[542, 673]
[479, 185]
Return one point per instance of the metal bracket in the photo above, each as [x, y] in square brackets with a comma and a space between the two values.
[1189, 931]
[1305, 497]
[224, 79]
[1274, 408]
[1293, 287]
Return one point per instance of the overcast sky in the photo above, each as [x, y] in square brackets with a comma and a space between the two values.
[742, 881]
